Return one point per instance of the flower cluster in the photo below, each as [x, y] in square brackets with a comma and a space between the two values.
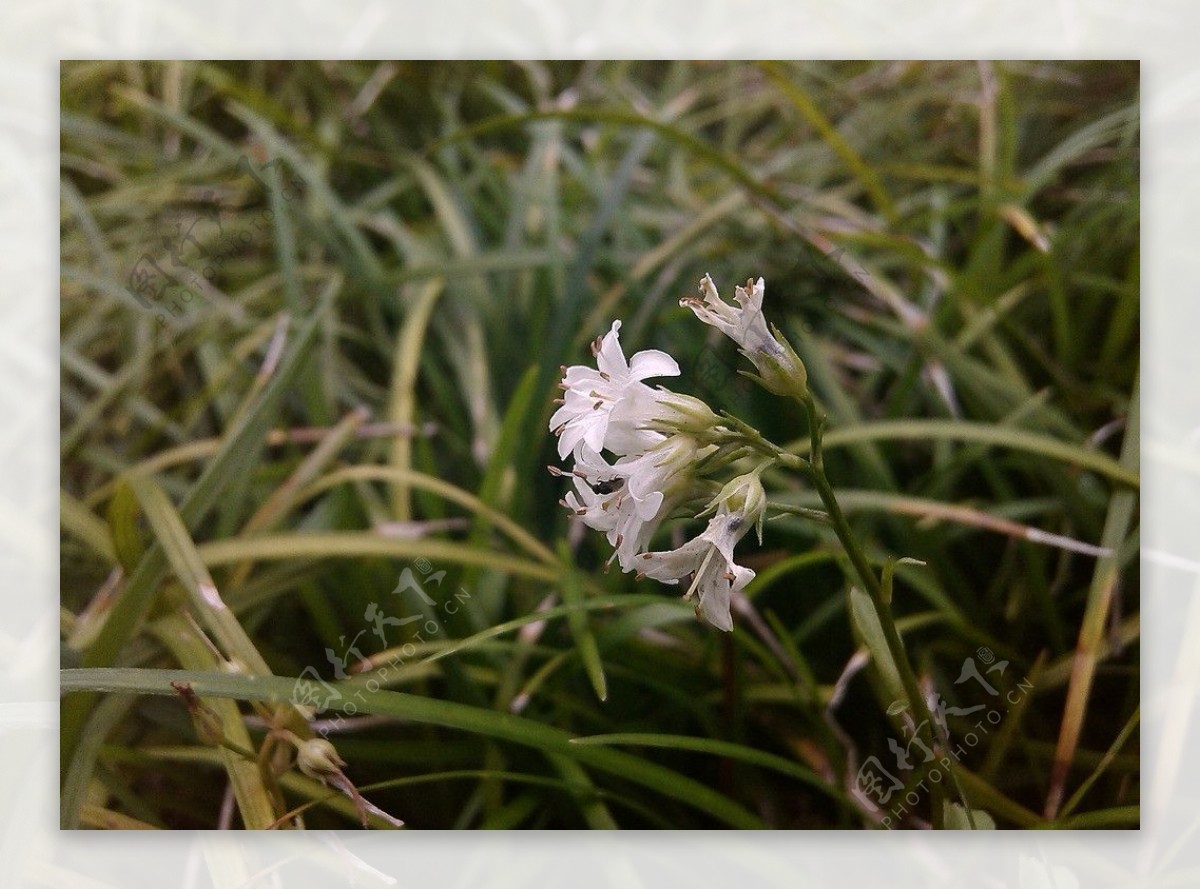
[661, 445]
[609, 408]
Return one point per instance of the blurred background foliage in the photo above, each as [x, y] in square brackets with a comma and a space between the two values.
[321, 307]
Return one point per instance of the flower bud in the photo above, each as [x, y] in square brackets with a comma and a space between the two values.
[779, 368]
[319, 759]
[205, 721]
[679, 413]
[744, 496]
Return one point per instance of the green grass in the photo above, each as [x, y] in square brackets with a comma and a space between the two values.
[389, 262]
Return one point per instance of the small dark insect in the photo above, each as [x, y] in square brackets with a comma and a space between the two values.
[608, 486]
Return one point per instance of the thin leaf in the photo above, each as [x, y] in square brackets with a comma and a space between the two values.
[420, 709]
[577, 620]
[402, 408]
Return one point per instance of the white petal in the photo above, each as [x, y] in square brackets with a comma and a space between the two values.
[669, 566]
[652, 363]
[593, 464]
[594, 429]
[564, 445]
[717, 314]
[716, 609]
[564, 414]
[751, 300]
[715, 596]
[648, 506]
[573, 434]
[575, 405]
[624, 440]
[611, 358]
[582, 378]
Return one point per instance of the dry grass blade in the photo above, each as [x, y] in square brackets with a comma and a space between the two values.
[1100, 601]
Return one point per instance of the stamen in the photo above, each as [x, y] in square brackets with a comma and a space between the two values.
[599, 404]
[559, 402]
[700, 573]
[555, 471]
[604, 376]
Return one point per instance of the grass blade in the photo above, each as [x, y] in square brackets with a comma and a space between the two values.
[452, 715]
[581, 630]
[1101, 594]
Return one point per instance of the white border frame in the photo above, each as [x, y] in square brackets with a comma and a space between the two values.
[33, 37]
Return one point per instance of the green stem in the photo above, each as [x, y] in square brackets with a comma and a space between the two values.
[815, 470]
[816, 474]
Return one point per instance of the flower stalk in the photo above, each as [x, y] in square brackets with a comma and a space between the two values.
[881, 600]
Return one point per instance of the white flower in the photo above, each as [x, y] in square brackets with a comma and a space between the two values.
[608, 406]
[746, 326]
[662, 440]
[709, 560]
[777, 364]
[629, 499]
